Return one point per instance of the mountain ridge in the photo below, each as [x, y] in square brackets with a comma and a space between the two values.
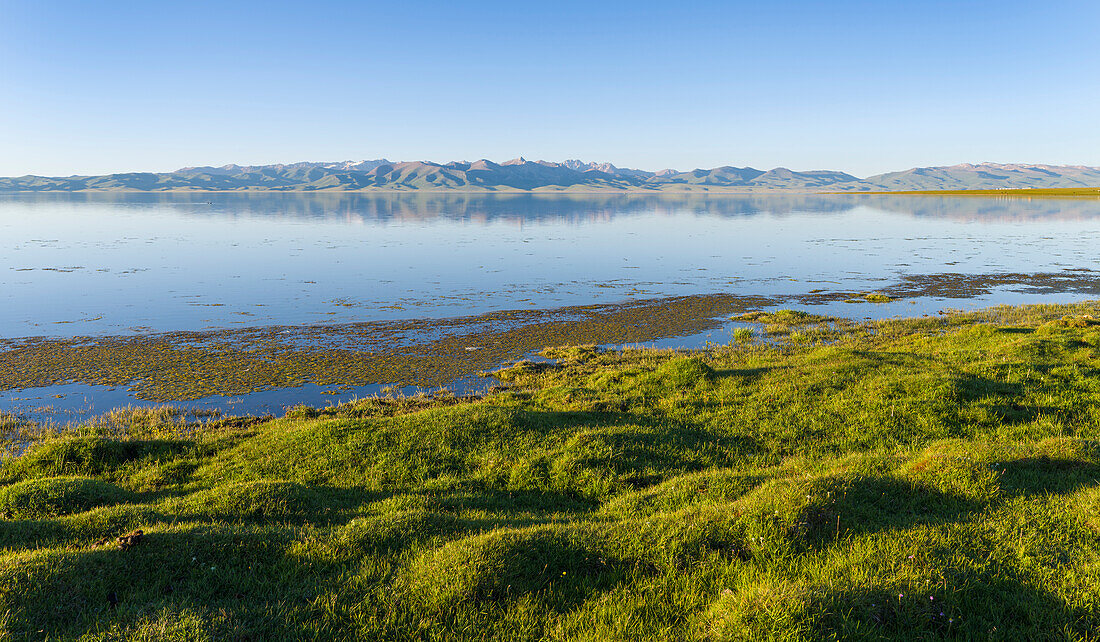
[521, 174]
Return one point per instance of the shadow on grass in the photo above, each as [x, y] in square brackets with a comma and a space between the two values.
[322, 506]
[554, 567]
[868, 505]
[79, 531]
[646, 450]
[1016, 330]
[898, 359]
[535, 501]
[974, 388]
[92, 456]
[563, 573]
[1044, 475]
[988, 604]
[1005, 395]
[232, 569]
[747, 374]
[635, 445]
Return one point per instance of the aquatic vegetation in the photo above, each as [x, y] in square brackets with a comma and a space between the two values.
[425, 353]
[794, 326]
[742, 335]
[430, 353]
[932, 477]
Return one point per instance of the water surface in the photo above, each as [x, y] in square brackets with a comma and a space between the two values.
[74, 265]
[134, 264]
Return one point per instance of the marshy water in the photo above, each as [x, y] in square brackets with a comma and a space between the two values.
[104, 278]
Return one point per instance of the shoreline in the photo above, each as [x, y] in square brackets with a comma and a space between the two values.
[340, 360]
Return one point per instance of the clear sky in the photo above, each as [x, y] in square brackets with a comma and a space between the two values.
[864, 87]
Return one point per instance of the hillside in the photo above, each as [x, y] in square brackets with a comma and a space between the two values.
[987, 176]
[933, 478]
[570, 176]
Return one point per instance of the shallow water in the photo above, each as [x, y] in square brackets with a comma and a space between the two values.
[86, 265]
[74, 402]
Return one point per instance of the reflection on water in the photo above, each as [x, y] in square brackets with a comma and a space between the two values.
[93, 264]
[578, 208]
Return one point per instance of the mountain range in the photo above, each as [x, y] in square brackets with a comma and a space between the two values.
[569, 176]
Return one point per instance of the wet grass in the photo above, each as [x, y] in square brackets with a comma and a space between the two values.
[817, 479]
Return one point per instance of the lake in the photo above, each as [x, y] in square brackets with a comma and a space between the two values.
[130, 266]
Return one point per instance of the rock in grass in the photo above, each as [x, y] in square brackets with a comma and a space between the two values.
[123, 541]
[131, 539]
[54, 496]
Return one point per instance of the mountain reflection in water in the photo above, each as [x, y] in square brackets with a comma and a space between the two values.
[133, 263]
[576, 208]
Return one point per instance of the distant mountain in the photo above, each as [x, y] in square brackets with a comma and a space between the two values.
[520, 174]
[231, 170]
[607, 168]
[985, 176]
[747, 177]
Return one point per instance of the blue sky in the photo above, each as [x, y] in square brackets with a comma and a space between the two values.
[865, 87]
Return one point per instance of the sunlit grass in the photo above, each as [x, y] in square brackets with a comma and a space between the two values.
[815, 479]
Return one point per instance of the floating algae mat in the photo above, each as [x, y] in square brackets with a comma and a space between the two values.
[183, 366]
[265, 369]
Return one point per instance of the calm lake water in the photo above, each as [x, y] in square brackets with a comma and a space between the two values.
[74, 265]
[86, 265]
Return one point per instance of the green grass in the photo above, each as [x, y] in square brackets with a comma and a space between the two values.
[913, 479]
[1046, 192]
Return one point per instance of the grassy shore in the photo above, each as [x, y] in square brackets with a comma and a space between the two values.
[1088, 192]
[428, 353]
[814, 479]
